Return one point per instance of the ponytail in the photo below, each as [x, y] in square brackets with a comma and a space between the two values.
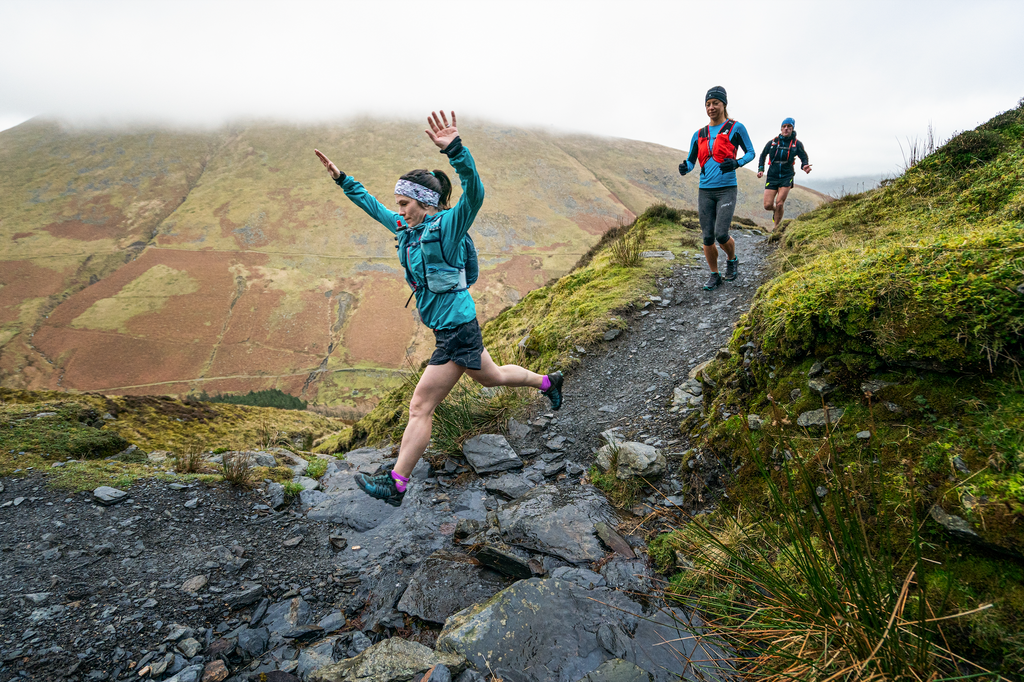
[446, 189]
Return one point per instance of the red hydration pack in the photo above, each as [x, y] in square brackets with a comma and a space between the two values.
[723, 148]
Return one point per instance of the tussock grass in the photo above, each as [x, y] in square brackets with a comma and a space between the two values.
[189, 458]
[238, 469]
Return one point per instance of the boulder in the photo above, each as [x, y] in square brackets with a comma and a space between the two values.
[490, 453]
[579, 629]
[392, 660]
[558, 522]
[817, 417]
[315, 656]
[445, 583]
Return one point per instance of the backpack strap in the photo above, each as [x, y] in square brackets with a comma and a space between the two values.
[704, 133]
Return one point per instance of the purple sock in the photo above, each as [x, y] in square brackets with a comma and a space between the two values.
[545, 383]
[400, 481]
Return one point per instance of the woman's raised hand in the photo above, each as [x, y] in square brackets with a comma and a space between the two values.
[328, 164]
[441, 132]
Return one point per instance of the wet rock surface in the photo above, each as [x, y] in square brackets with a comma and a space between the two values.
[275, 588]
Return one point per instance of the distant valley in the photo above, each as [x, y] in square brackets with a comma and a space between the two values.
[154, 261]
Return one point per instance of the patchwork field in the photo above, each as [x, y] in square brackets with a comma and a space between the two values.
[157, 261]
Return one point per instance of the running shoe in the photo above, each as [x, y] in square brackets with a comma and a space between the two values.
[381, 487]
[713, 281]
[554, 393]
[731, 268]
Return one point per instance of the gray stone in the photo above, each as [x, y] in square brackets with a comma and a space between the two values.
[360, 643]
[612, 334]
[252, 642]
[470, 675]
[617, 670]
[816, 369]
[875, 386]
[193, 585]
[189, 647]
[557, 522]
[189, 674]
[315, 656]
[510, 486]
[755, 422]
[581, 576]
[311, 498]
[193, 503]
[490, 453]
[247, 595]
[160, 665]
[302, 633]
[107, 496]
[504, 560]
[628, 575]
[293, 542]
[864, 435]
[954, 525]
[631, 459]
[37, 597]
[46, 613]
[307, 483]
[960, 465]
[392, 660]
[333, 621]
[517, 430]
[893, 407]
[821, 491]
[667, 255]
[821, 387]
[263, 459]
[275, 496]
[795, 394]
[348, 505]
[501, 635]
[556, 443]
[445, 583]
[287, 614]
[817, 417]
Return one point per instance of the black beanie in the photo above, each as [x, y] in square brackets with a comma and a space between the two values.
[717, 92]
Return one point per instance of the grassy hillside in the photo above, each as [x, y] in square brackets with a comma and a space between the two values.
[904, 306]
[151, 261]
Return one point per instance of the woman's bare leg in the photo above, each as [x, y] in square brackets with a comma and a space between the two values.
[436, 382]
[491, 374]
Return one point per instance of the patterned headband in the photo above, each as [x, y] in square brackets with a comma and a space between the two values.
[417, 192]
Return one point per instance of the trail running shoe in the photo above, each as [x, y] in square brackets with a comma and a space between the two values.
[554, 393]
[731, 268]
[713, 281]
[381, 487]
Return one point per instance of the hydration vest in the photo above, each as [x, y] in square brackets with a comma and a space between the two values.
[781, 152]
[442, 273]
[723, 148]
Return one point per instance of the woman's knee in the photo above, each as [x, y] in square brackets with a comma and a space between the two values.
[420, 407]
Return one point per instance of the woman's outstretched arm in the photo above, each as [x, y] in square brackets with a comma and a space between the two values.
[446, 136]
[355, 191]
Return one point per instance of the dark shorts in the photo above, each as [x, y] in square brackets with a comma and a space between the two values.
[463, 345]
[779, 183]
[715, 208]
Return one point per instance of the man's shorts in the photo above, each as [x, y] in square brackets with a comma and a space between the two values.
[776, 183]
[463, 345]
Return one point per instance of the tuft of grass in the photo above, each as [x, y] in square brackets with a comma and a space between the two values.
[238, 469]
[292, 490]
[189, 459]
[316, 467]
[626, 250]
[622, 494]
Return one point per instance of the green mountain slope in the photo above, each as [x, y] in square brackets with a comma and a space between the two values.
[154, 261]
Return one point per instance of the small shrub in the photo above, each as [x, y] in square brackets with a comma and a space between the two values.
[662, 212]
[626, 251]
[292, 490]
[317, 467]
[238, 469]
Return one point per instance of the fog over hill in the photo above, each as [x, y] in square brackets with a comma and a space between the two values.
[167, 261]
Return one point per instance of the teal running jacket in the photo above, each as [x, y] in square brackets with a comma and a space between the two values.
[437, 311]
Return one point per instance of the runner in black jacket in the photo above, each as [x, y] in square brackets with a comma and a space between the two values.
[781, 152]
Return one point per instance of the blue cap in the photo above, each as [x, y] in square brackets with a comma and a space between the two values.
[789, 122]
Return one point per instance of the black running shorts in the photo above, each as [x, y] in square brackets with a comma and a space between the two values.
[463, 345]
[777, 183]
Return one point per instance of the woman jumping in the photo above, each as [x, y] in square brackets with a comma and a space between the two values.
[780, 152]
[431, 236]
[714, 147]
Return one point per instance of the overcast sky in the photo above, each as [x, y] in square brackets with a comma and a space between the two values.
[860, 77]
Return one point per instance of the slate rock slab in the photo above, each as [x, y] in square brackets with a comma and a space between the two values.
[285, 615]
[447, 582]
[348, 505]
[392, 660]
[555, 521]
[510, 486]
[247, 595]
[541, 630]
[503, 560]
[618, 670]
[108, 496]
[490, 453]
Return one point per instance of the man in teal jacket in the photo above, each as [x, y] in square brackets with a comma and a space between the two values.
[425, 227]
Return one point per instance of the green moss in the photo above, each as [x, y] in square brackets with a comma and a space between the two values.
[622, 494]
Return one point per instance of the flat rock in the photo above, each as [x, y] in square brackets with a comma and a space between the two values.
[107, 496]
[244, 597]
[510, 486]
[252, 642]
[293, 542]
[817, 417]
[558, 522]
[613, 540]
[193, 585]
[311, 498]
[821, 387]
[503, 560]
[392, 660]
[307, 483]
[333, 621]
[215, 671]
[490, 453]
[286, 614]
[579, 629]
[190, 674]
[301, 633]
[612, 334]
[275, 496]
[348, 505]
[445, 583]
[315, 656]
[617, 670]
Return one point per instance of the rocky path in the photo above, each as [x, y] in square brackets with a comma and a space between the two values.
[189, 583]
